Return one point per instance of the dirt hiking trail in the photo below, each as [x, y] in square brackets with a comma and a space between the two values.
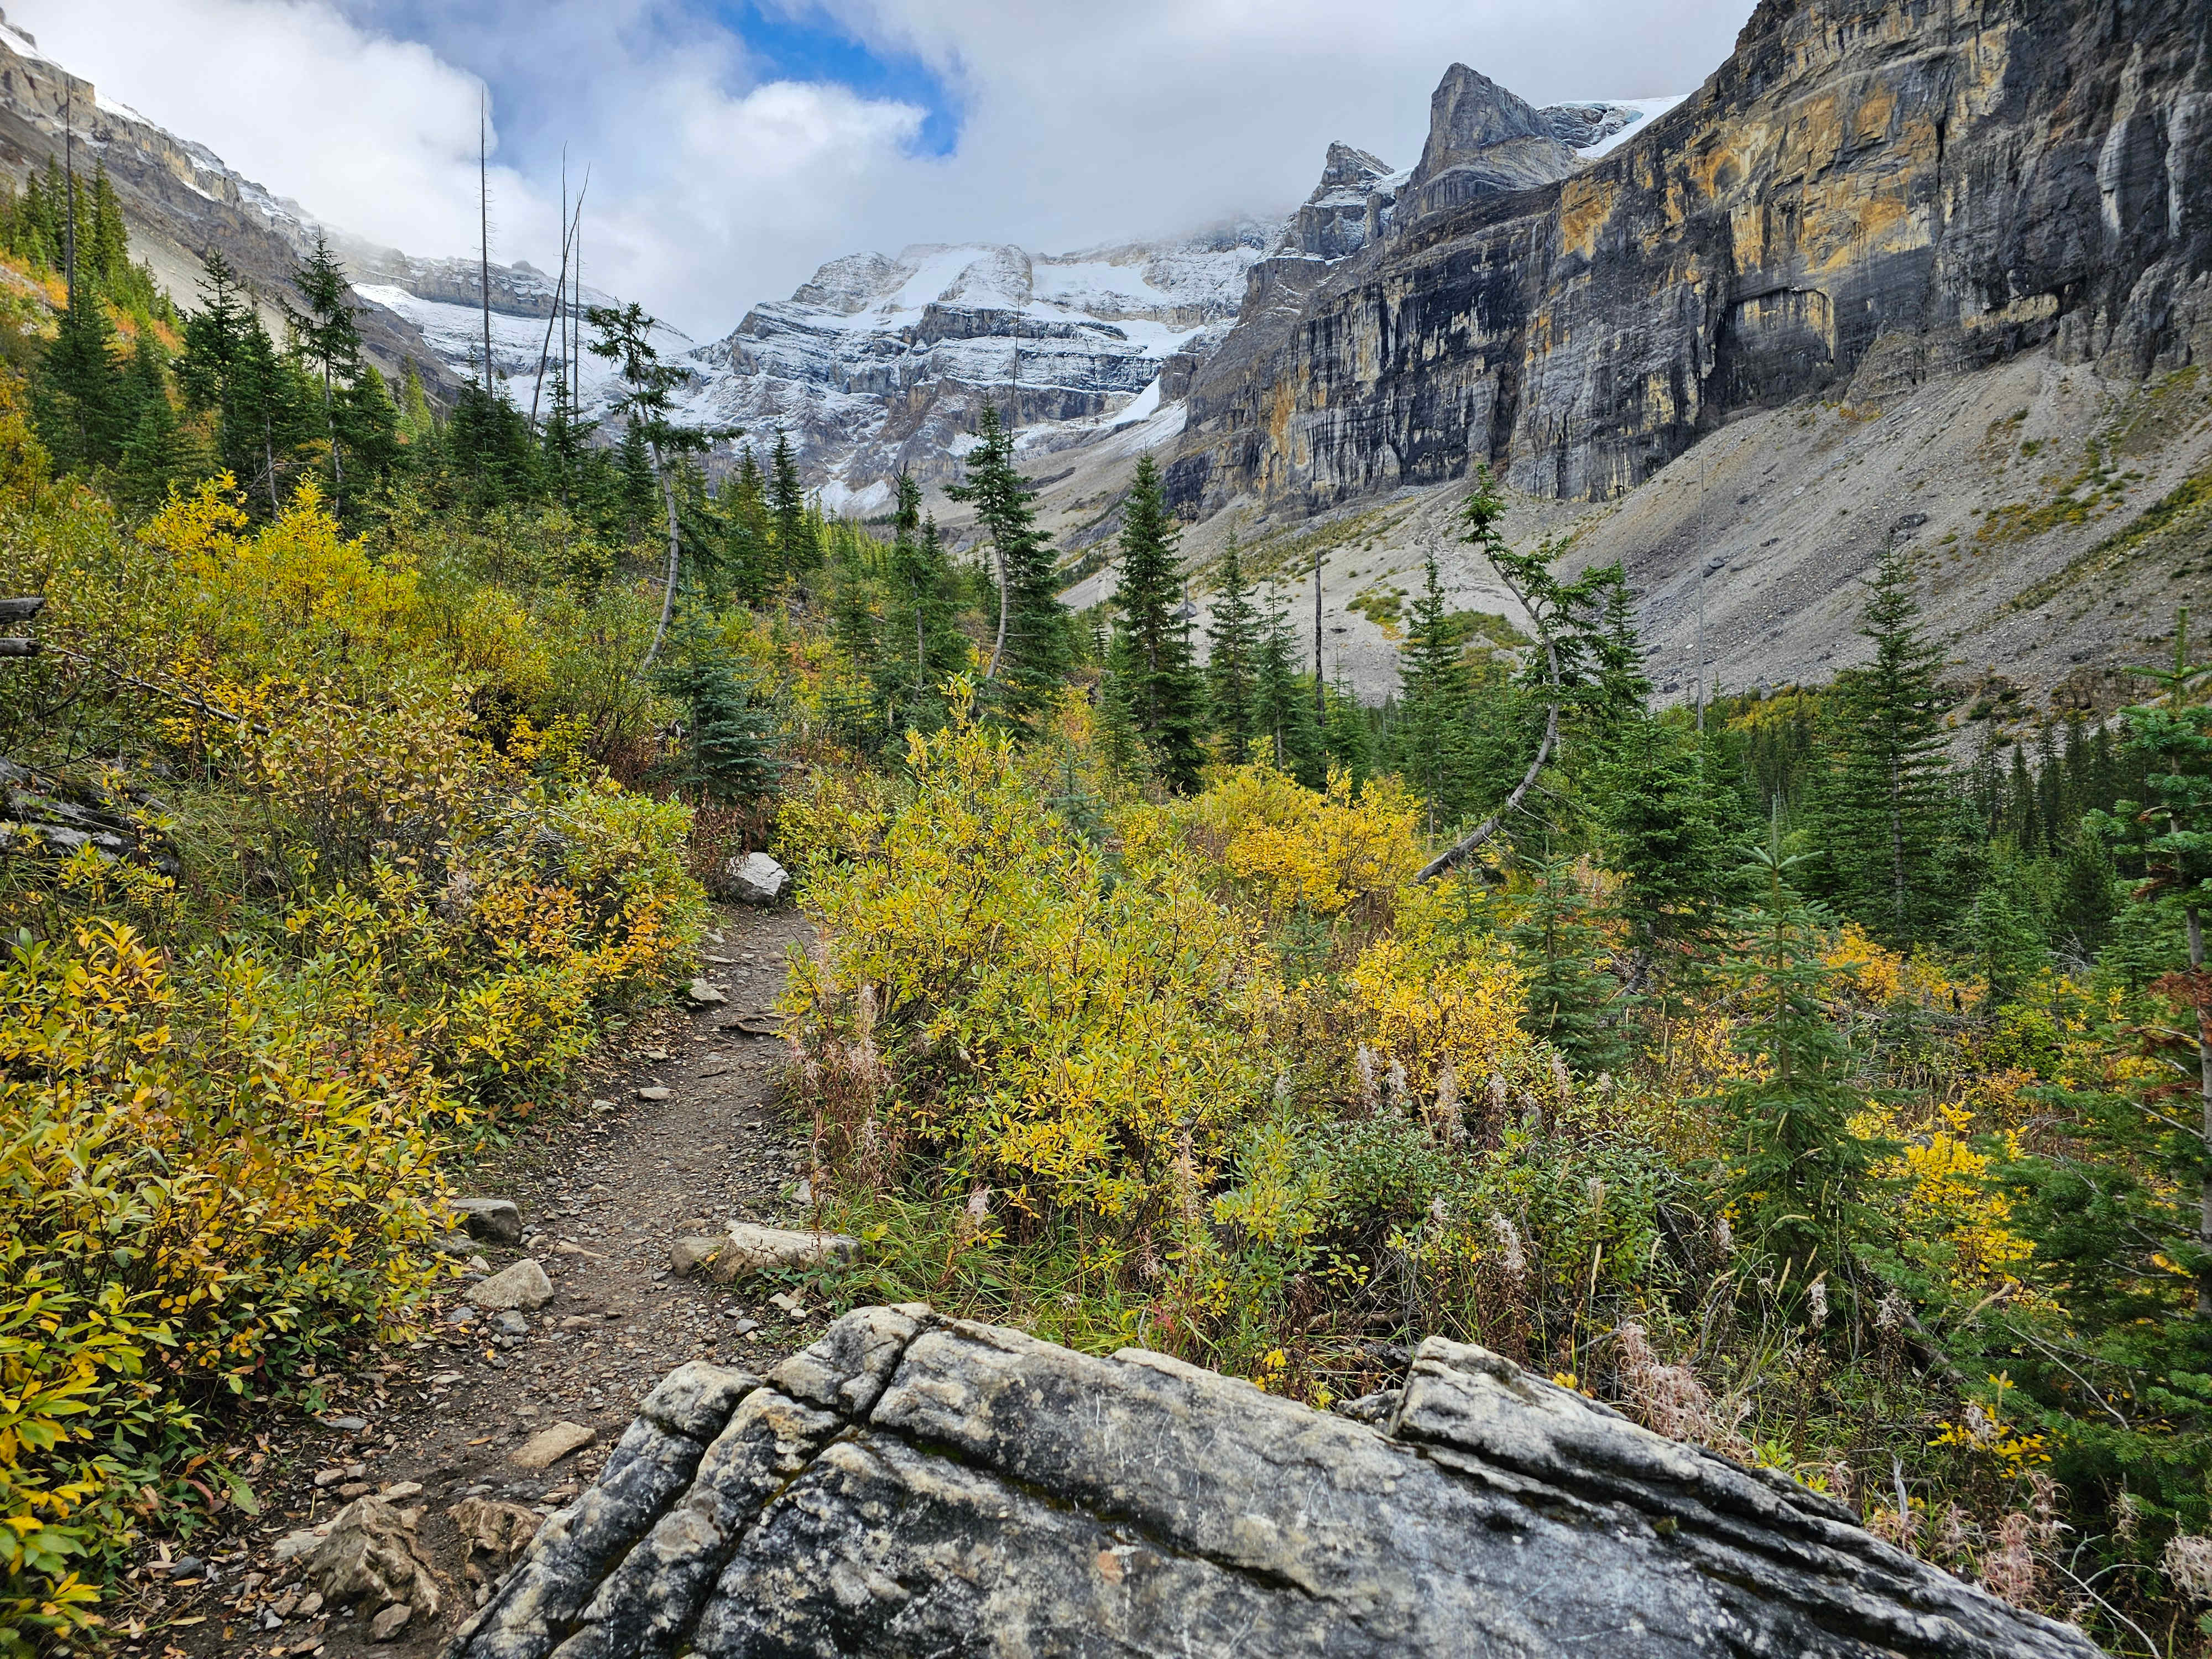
[603, 1197]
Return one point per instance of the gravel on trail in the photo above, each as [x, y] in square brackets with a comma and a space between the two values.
[671, 1131]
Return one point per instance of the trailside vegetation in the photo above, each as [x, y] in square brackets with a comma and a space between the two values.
[1795, 1078]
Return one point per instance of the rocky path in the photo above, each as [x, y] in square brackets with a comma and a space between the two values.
[467, 1412]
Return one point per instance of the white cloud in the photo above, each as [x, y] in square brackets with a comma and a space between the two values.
[714, 187]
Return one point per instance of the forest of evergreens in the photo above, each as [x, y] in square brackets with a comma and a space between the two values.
[1809, 1074]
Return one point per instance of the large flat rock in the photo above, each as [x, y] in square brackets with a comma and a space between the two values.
[913, 1484]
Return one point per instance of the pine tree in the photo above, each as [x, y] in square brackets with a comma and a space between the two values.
[1152, 641]
[1233, 650]
[1571, 998]
[1885, 804]
[728, 753]
[1288, 735]
[625, 338]
[78, 399]
[329, 339]
[1032, 649]
[1431, 741]
[231, 369]
[1802, 1182]
[797, 550]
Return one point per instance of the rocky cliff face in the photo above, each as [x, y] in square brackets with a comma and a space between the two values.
[918, 1486]
[1889, 189]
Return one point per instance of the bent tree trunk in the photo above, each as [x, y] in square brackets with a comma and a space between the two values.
[668, 587]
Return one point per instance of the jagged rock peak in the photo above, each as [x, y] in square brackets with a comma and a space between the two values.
[1482, 140]
[1347, 169]
[1348, 208]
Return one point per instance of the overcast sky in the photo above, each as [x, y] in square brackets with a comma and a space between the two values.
[736, 144]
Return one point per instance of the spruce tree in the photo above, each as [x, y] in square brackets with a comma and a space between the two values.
[1348, 739]
[727, 755]
[749, 531]
[1430, 740]
[79, 397]
[1885, 804]
[1668, 824]
[1571, 1000]
[417, 422]
[1284, 728]
[1032, 649]
[1801, 1180]
[154, 455]
[329, 339]
[1151, 641]
[625, 338]
[922, 605]
[797, 550]
[1232, 654]
[2167, 838]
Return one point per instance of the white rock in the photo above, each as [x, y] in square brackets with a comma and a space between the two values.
[757, 878]
[548, 1446]
[749, 1248]
[705, 994]
[524, 1286]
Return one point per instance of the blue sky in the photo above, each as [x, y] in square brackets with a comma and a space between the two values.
[809, 45]
[738, 144]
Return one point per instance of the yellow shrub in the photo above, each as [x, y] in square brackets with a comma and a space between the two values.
[1284, 848]
[1101, 1035]
[180, 1215]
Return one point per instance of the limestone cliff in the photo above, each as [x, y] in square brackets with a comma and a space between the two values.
[1892, 189]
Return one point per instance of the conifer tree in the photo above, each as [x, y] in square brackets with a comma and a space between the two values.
[728, 753]
[330, 340]
[1348, 739]
[1668, 824]
[750, 530]
[1885, 804]
[78, 399]
[922, 605]
[417, 422]
[1429, 742]
[154, 454]
[1152, 641]
[1570, 997]
[1801, 1181]
[1232, 651]
[1032, 651]
[2166, 836]
[797, 550]
[1288, 735]
[625, 338]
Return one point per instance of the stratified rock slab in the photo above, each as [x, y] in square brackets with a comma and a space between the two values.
[912, 1485]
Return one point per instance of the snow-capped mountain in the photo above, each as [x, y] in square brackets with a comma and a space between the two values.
[879, 364]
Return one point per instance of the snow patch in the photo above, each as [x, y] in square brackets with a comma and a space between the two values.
[1649, 110]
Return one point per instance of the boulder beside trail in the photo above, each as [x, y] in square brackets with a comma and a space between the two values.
[496, 1221]
[914, 1484]
[520, 1286]
[756, 878]
[748, 1248]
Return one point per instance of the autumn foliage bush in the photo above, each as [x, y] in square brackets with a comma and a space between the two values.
[381, 894]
